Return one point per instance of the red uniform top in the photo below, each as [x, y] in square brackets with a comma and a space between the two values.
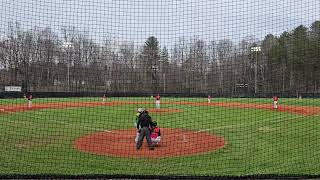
[156, 132]
[30, 97]
[157, 97]
[209, 97]
[275, 98]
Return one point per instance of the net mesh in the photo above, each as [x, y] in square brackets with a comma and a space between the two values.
[233, 86]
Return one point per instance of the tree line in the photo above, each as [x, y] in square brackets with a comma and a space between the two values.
[41, 60]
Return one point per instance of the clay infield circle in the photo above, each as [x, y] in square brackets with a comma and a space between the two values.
[165, 110]
[175, 142]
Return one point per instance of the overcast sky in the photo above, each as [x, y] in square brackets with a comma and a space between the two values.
[168, 20]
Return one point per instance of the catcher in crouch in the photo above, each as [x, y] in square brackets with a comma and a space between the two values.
[155, 133]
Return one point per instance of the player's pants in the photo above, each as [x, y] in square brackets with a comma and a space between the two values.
[144, 132]
[29, 104]
[158, 104]
[156, 140]
[275, 104]
[136, 139]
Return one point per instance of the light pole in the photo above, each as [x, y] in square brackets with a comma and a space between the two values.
[164, 82]
[256, 49]
[67, 45]
[162, 71]
[155, 84]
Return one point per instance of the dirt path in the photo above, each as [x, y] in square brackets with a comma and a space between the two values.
[301, 110]
[62, 105]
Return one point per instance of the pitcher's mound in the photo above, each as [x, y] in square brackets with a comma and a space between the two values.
[175, 142]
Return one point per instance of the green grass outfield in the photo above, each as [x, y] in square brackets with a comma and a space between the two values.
[258, 141]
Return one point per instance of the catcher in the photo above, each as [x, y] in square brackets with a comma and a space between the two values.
[155, 133]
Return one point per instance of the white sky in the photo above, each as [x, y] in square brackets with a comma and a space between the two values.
[168, 20]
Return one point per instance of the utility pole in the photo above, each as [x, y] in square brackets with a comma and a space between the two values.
[256, 49]
[67, 46]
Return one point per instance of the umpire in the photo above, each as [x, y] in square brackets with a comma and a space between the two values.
[143, 126]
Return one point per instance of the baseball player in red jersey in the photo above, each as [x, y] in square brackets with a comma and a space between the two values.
[275, 102]
[158, 101]
[209, 99]
[155, 133]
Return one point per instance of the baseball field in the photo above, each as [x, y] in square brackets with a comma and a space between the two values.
[227, 137]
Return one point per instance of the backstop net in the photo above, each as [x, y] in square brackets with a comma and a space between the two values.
[159, 88]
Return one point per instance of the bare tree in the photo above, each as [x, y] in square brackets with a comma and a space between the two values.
[224, 51]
